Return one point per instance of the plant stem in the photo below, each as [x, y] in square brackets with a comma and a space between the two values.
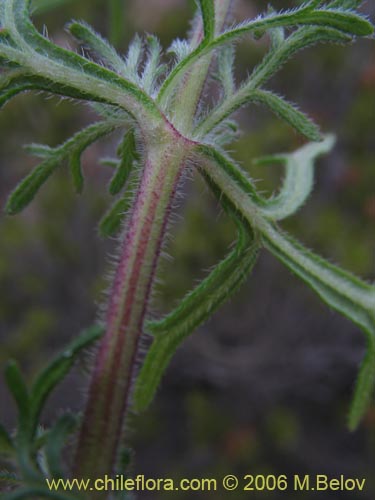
[109, 395]
[189, 94]
[110, 391]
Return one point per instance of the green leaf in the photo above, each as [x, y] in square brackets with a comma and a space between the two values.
[341, 290]
[234, 173]
[72, 149]
[180, 48]
[27, 189]
[196, 307]
[56, 441]
[193, 310]
[98, 44]
[113, 163]
[344, 293]
[152, 69]
[347, 23]
[207, 8]
[64, 68]
[6, 442]
[23, 82]
[226, 70]
[299, 40]
[11, 83]
[277, 36]
[299, 179]
[270, 64]
[128, 155]
[225, 133]
[76, 171]
[133, 58]
[112, 221]
[17, 80]
[39, 150]
[19, 391]
[58, 369]
[287, 112]
[75, 146]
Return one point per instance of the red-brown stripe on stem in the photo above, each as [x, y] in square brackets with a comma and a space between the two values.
[111, 384]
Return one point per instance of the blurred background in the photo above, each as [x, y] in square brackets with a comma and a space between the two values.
[263, 387]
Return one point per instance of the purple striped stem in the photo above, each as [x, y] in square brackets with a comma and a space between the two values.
[109, 395]
[101, 435]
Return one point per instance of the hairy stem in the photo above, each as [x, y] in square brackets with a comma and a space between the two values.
[110, 391]
[190, 90]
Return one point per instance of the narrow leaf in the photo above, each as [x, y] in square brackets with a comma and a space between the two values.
[128, 155]
[72, 149]
[113, 163]
[346, 21]
[110, 112]
[58, 369]
[62, 66]
[297, 41]
[196, 307]
[277, 36]
[364, 388]
[344, 293]
[76, 170]
[216, 282]
[341, 290]
[226, 70]
[32, 82]
[18, 389]
[86, 34]
[270, 64]
[225, 133]
[112, 221]
[26, 191]
[56, 441]
[299, 179]
[287, 112]
[194, 310]
[207, 8]
[133, 58]
[152, 69]
[201, 302]
[235, 174]
[180, 48]
[6, 442]
[39, 150]
[20, 393]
